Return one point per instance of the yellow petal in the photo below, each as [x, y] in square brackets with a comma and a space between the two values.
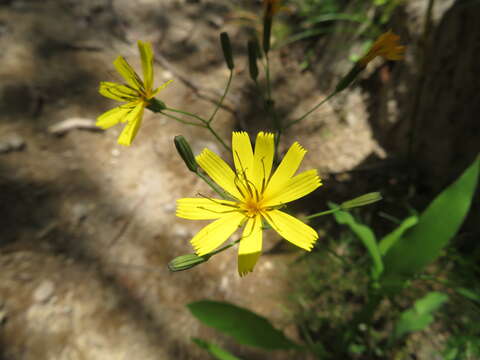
[113, 117]
[203, 209]
[263, 159]
[242, 153]
[154, 92]
[214, 234]
[250, 246]
[146, 54]
[127, 72]
[297, 187]
[134, 120]
[285, 170]
[117, 92]
[219, 171]
[292, 229]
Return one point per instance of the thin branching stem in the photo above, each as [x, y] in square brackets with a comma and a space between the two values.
[187, 114]
[222, 98]
[327, 212]
[182, 120]
[204, 123]
[293, 122]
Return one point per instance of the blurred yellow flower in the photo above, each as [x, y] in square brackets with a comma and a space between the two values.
[256, 195]
[386, 46]
[136, 94]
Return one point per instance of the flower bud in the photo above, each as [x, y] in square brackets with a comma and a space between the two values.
[185, 151]
[362, 200]
[156, 105]
[227, 49]
[185, 262]
[267, 31]
[252, 59]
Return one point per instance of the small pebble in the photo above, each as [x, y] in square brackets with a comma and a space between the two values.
[44, 291]
[11, 142]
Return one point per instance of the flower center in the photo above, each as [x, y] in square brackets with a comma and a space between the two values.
[252, 207]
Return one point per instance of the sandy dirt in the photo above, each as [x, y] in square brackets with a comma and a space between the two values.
[87, 226]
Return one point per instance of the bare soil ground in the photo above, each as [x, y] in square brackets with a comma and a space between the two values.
[87, 227]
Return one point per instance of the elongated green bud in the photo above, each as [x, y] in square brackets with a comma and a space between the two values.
[252, 59]
[267, 30]
[156, 105]
[186, 153]
[348, 79]
[185, 262]
[227, 49]
[362, 200]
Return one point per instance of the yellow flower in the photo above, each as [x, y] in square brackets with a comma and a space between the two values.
[136, 94]
[386, 46]
[257, 196]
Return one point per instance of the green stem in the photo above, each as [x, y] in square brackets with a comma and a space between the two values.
[181, 120]
[220, 140]
[334, 254]
[327, 212]
[223, 248]
[260, 91]
[270, 105]
[293, 122]
[222, 98]
[267, 75]
[188, 114]
[205, 124]
[212, 185]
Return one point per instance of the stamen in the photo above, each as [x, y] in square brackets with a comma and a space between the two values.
[251, 230]
[270, 220]
[218, 202]
[235, 183]
[243, 172]
[218, 212]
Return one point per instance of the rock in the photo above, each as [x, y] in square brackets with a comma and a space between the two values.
[67, 125]
[11, 142]
[44, 291]
[80, 212]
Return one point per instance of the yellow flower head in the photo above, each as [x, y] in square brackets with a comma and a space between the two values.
[386, 46]
[257, 195]
[136, 94]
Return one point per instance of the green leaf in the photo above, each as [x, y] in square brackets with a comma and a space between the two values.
[469, 294]
[390, 239]
[420, 315]
[244, 326]
[216, 351]
[365, 234]
[423, 243]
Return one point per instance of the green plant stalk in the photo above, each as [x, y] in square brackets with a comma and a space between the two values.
[270, 105]
[267, 76]
[181, 120]
[293, 122]
[260, 91]
[335, 255]
[326, 212]
[222, 98]
[205, 124]
[225, 247]
[308, 339]
[186, 113]
[212, 185]
[220, 140]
